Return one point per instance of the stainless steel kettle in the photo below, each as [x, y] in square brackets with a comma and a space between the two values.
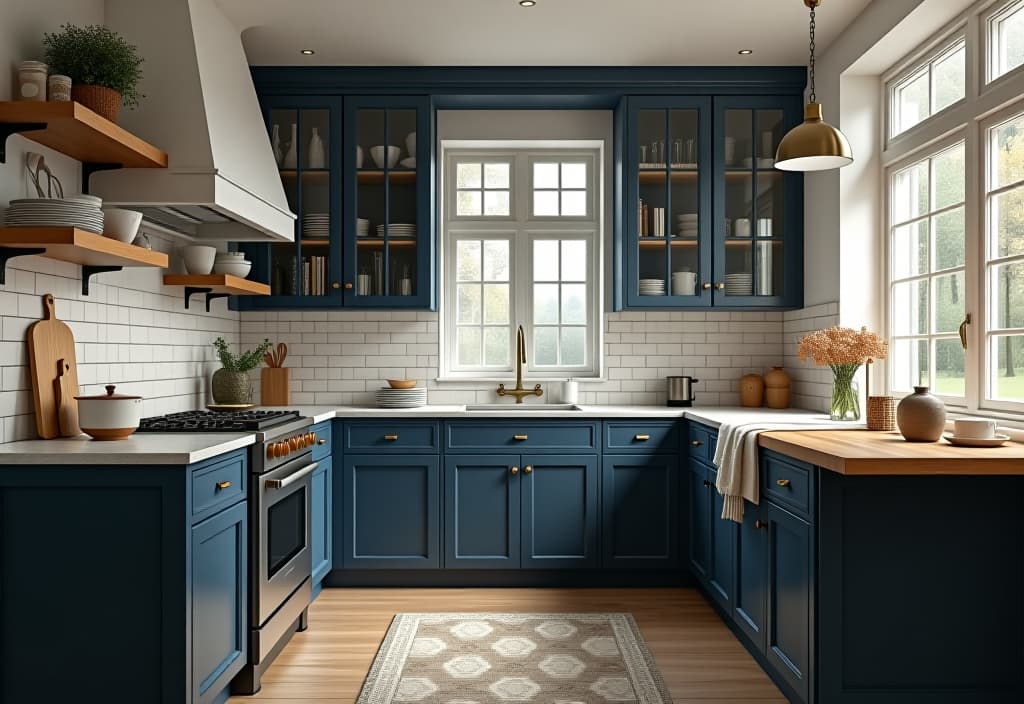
[680, 390]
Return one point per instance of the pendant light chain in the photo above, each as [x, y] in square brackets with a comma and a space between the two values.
[811, 62]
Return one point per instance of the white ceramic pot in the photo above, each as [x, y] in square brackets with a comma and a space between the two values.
[198, 258]
[120, 224]
[109, 416]
[377, 154]
[233, 267]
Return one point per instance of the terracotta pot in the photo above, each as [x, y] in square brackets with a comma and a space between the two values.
[231, 388]
[751, 390]
[109, 416]
[777, 392]
[106, 102]
[920, 416]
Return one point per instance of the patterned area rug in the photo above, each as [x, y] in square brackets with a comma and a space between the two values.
[489, 658]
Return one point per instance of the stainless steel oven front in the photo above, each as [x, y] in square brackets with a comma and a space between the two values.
[284, 557]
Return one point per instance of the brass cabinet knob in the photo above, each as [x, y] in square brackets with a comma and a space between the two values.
[707, 483]
[335, 285]
[782, 482]
[720, 287]
[223, 485]
[348, 286]
[760, 524]
[641, 438]
[527, 469]
[696, 443]
[706, 286]
[520, 437]
[391, 437]
[514, 470]
[321, 441]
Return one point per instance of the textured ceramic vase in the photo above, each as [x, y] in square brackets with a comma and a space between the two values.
[751, 391]
[920, 416]
[231, 388]
[316, 150]
[776, 388]
[291, 157]
[275, 142]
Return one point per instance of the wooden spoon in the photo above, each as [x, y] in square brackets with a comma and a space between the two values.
[282, 353]
[269, 360]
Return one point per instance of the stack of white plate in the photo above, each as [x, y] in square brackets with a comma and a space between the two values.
[362, 227]
[401, 398]
[398, 229]
[686, 225]
[316, 225]
[652, 287]
[739, 284]
[82, 212]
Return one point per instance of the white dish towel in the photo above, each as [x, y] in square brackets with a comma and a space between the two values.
[736, 460]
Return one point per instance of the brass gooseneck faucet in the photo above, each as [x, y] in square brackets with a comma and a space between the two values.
[519, 392]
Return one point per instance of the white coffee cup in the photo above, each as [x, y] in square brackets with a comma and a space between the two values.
[977, 428]
[741, 227]
[684, 283]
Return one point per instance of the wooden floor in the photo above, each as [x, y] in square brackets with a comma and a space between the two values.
[697, 655]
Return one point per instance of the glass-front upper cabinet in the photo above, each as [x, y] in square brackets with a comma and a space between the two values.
[668, 235]
[758, 209]
[389, 203]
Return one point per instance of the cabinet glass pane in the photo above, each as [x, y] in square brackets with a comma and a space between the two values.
[684, 202]
[401, 224]
[653, 216]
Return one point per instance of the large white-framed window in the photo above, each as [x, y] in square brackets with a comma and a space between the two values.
[955, 220]
[537, 265]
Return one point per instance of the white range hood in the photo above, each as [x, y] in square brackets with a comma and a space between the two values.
[200, 107]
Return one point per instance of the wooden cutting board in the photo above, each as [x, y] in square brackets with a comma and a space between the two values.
[50, 346]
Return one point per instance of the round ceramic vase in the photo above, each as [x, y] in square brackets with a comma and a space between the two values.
[231, 388]
[920, 416]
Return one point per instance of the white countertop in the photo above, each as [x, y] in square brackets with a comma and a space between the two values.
[187, 448]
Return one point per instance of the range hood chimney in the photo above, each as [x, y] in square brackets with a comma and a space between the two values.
[200, 107]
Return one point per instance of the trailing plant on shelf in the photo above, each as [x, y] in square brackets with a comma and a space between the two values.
[104, 68]
[843, 350]
[231, 383]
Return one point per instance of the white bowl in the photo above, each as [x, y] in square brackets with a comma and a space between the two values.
[377, 154]
[120, 224]
[410, 143]
[198, 258]
[234, 268]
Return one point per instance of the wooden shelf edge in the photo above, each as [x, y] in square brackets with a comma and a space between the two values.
[219, 283]
[80, 247]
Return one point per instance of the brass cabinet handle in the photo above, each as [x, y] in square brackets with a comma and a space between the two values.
[520, 437]
[527, 469]
[783, 482]
[760, 524]
[707, 483]
[321, 441]
[641, 437]
[223, 485]
[335, 285]
[348, 286]
[720, 287]
[706, 286]
[514, 470]
[391, 438]
[696, 443]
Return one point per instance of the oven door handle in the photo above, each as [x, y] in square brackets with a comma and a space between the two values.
[292, 478]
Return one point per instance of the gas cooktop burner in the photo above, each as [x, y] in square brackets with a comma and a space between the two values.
[215, 421]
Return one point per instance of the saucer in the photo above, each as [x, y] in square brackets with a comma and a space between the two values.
[976, 442]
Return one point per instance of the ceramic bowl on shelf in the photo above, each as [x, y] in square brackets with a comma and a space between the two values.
[198, 258]
[402, 383]
[232, 266]
[120, 224]
[378, 155]
[408, 162]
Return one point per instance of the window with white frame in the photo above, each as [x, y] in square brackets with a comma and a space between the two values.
[535, 263]
[955, 216]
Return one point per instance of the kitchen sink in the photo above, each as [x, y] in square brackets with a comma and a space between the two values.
[524, 408]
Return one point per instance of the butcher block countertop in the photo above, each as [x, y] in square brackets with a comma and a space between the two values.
[864, 452]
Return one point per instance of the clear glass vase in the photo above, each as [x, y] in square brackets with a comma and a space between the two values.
[845, 393]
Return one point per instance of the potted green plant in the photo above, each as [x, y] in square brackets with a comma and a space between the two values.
[104, 68]
[231, 383]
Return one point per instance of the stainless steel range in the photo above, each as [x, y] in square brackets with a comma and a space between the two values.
[280, 557]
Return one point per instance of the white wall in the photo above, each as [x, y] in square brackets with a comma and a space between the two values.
[131, 330]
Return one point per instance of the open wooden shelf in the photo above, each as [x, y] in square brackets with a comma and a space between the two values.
[394, 176]
[215, 286]
[75, 130]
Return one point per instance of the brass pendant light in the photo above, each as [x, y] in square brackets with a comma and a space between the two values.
[813, 145]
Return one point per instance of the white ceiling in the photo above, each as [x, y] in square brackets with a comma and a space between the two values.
[554, 32]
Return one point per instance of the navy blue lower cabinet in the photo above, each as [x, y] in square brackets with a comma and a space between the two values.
[219, 601]
[752, 574]
[700, 520]
[559, 511]
[721, 580]
[391, 511]
[790, 580]
[640, 511]
[321, 517]
[482, 511]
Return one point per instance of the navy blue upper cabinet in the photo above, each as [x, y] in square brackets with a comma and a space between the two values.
[559, 511]
[708, 220]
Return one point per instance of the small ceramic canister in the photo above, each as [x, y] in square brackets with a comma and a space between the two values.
[58, 89]
[751, 391]
[32, 81]
[776, 391]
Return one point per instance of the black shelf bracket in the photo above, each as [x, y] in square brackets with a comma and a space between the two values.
[8, 253]
[210, 296]
[9, 128]
[91, 167]
[89, 271]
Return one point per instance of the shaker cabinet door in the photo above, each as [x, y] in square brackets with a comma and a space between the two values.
[559, 511]
[482, 511]
[640, 511]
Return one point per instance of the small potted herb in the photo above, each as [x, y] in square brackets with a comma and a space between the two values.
[231, 383]
[104, 68]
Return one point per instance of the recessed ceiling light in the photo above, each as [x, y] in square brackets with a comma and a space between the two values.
[307, 52]
[527, 3]
[745, 52]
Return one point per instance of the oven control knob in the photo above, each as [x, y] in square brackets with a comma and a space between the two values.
[271, 451]
[312, 439]
[293, 444]
[282, 449]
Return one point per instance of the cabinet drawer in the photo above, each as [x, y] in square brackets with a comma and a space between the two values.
[701, 441]
[398, 436]
[554, 435]
[322, 447]
[787, 483]
[220, 483]
[641, 436]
